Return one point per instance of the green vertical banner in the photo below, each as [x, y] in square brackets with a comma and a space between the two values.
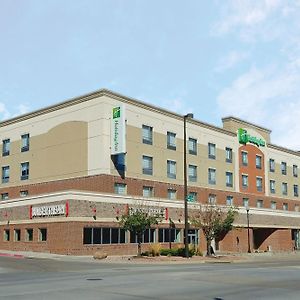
[118, 130]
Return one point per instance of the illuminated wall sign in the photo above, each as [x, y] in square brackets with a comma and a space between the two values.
[245, 138]
[48, 211]
[118, 130]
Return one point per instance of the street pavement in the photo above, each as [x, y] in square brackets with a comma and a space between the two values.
[25, 275]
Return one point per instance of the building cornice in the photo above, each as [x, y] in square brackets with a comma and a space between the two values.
[243, 122]
[118, 97]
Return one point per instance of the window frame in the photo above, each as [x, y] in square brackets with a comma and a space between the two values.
[228, 154]
[147, 138]
[171, 166]
[212, 179]
[171, 140]
[192, 146]
[229, 175]
[5, 147]
[147, 165]
[25, 142]
[212, 151]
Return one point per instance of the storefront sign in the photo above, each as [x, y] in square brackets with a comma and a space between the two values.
[118, 130]
[245, 138]
[48, 211]
[151, 211]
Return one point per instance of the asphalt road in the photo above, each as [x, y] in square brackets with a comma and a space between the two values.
[56, 279]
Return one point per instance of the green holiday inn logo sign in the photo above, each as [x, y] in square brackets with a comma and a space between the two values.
[116, 112]
[245, 138]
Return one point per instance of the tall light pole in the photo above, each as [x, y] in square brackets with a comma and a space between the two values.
[186, 224]
[248, 229]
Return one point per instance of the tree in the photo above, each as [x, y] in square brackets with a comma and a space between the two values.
[214, 221]
[138, 220]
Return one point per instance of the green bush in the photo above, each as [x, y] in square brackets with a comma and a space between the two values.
[177, 252]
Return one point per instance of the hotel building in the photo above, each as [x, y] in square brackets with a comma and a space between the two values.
[69, 172]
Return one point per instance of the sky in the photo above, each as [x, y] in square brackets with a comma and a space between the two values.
[214, 58]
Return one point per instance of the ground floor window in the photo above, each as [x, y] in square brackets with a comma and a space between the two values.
[103, 235]
[43, 234]
[147, 237]
[6, 235]
[166, 235]
[17, 235]
[29, 235]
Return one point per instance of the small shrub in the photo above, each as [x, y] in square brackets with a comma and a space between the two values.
[146, 253]
[155, 249]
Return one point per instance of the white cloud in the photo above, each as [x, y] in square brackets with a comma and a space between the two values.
[21, 110]
[246, 13]
[267, 97]
[176, 105]
[266, 94]
[231, 60]
[6, 114]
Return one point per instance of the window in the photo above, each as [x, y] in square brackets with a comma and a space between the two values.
[284, 188]
[147, 191]
[244, 158]
[295, 171]
[273, 205]
[24, 193]
[147, 237]
[285, 206]
[25, 142]
[147, 134]
[192, 173]
[166, 235]
[228, 155]
[229, 200]
[272, 165]
[283, 168]
[211, 176]
[192, 197]
[120, 188]
[99, 235]
[296, 207]
[296, 194]
[244, 181]
[6, 235]
[192, 146]
[172, 194]
[171, 169]
[171, 140]
[17, 235]
[147, 165]
[229, 179]
[29, 235]
[259, 203]
[43, 234]
[272, 186]
[212, 199]
[211, 151]
[24, 170]
[5, 174]
[259, 184]
[258, 160]
[245, 202]
[4, 196]
[5, 147]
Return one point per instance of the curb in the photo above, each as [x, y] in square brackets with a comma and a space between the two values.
[19, 256]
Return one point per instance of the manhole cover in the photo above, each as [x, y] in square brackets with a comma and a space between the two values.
[94, 279]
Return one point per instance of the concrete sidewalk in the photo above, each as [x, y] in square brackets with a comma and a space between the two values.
[220, 258]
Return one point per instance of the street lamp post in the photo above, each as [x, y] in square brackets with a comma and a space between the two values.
[248, 229]
[186, 225]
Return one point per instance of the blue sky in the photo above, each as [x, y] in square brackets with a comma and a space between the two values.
[213, 58]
